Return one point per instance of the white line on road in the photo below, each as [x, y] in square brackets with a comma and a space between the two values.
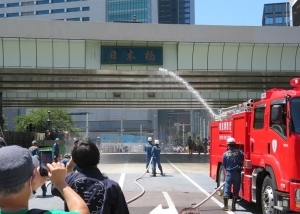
[199, 187]
[122, 179]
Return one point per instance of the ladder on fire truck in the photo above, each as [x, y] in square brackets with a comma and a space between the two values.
[226, 113]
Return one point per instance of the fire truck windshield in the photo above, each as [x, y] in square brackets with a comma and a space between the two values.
[295, 114]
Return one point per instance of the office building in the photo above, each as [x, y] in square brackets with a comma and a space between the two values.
[68, 10]
[78, 10]
[176, 11]
[277, 14]
[295, 12]
[144, 11]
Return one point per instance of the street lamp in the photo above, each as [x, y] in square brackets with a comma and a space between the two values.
[169, 131]
[141, 132]
[98, 141]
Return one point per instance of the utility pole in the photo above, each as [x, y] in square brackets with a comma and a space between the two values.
[141, 132]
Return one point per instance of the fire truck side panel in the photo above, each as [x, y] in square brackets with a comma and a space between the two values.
[215, 157]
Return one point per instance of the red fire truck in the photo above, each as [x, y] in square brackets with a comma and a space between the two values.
[268, 132]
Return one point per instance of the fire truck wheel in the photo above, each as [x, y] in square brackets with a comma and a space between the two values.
[221, 179]
[267, 197]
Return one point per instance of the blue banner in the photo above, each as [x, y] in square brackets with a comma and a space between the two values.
[132, 55]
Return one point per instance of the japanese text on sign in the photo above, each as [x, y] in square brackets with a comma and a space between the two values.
[225, 126]
[132, 55]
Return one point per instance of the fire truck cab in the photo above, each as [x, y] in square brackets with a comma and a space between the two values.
[268, 132]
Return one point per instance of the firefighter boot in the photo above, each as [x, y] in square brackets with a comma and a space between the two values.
[161, 172]
[225, 208]
[147, 171]
[153, 173]
[233, 204]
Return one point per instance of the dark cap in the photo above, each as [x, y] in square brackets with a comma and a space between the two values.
[16, 166]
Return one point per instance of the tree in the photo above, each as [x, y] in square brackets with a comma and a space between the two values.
[61, 120]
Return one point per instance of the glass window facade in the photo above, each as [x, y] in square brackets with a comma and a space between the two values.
[73, 19]
[29, 13]
[58, 1]
[85, 19]
[1, 15]
[12, 4]
[27, 3]
[71, 0]
[1, 5]
[42, 2]
[174, 11]
[42, 12]
[128, 11]
[12, 14]
[85, 8]
[277, 14]
[58, 11]
[74, 9]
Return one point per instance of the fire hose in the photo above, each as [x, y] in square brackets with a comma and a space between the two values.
[135, 181]
[208, 197]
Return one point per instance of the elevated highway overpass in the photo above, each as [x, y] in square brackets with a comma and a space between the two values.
[72, 64]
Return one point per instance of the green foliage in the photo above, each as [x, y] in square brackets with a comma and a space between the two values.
[60, 119]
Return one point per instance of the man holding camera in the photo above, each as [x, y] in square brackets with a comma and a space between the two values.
[19, 178]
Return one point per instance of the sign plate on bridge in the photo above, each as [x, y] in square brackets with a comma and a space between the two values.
[177, 124]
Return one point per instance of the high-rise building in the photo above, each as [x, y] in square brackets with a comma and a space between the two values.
[68, 10]
[144, 11]
[78, 10]
[295, 12]
[176, 11]
[277, 14]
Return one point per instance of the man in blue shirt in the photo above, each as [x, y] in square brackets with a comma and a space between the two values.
[102, 195]
[232, 162]
[148, 149]
[55, 150]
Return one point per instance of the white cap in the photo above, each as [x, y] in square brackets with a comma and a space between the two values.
[156, 141]
[230, 140]
[149, 138]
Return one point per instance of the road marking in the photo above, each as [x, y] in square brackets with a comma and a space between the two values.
[171, 210]
[122, 179]
[199, 187]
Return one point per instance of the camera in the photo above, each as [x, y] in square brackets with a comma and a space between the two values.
[45, 157]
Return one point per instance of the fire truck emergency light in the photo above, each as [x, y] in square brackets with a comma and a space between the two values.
[295, 82]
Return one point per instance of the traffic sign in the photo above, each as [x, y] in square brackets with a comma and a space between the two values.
[177, 124]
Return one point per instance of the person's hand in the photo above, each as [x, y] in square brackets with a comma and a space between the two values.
[38, 180]
[71, 164]
[57, 174]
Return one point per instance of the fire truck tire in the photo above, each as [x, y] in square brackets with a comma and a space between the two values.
[268, 198]
[221, 179]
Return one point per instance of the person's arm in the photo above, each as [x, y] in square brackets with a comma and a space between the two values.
[57, 174]
[70, 165]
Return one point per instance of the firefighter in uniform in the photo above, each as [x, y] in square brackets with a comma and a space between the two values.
[232, 162]
[148, 149]
[156, 158]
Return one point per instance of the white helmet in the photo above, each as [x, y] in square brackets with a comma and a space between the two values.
[230, 141]
[150, 139]
[156, 141]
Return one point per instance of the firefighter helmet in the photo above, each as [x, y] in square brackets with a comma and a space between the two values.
[230, 141]
[156, 142]
[149, 138]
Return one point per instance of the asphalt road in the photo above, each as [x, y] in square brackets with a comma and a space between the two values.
[186, 183]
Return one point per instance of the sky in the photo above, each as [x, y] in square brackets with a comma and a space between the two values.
[231, 12]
